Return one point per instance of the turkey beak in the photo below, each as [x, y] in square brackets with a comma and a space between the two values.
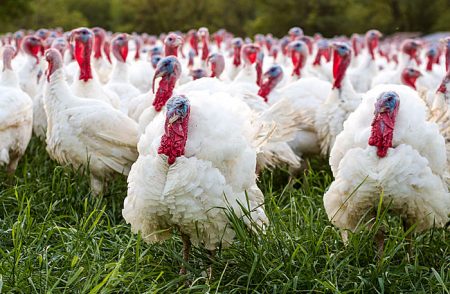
[173, 118]
[158, 74]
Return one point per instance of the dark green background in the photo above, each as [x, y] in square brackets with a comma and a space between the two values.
[243, 17]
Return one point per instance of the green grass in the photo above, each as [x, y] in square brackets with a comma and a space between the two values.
[55, 237]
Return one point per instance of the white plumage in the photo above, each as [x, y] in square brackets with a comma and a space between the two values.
[16, 115]
[409, 176]
[191, 189]
[85, 131]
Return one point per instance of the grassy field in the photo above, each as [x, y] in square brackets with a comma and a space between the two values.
[56, 238]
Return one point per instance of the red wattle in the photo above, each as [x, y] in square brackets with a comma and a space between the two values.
[213, 70]
[173, 142]
[107, 50]
[265, 90]
[194, 44]
[340, 65]
[137, 54]
[430, 63]
[355, 46]
[237, 57]
[373, 43]
[259, 73]
[164, 92]
[297, 60]
[409, 81]
[205, 49]
[98, 47]
[83, 57]
[168, 51]
[123, 50]
[443, 86]
[317, 58]
[382, 131]
[218, 39]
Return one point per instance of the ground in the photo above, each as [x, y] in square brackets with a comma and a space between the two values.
[55, 237]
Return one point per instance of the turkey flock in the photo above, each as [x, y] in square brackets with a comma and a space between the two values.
[192, 119]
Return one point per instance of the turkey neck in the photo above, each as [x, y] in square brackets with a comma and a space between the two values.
[409, 81]
[83, 56]
[57, 94]
[8, 78]
[343, 89]
[173, 142]
[266, 88]
[98, 47]
[258, 68]
[298, 61]
[430, 61]
[205, 49]
[237, 57]
[171, 50]
[164, 92]
[382, 132]
[120, 72]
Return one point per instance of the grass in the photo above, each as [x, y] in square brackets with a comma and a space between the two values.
[56, 238]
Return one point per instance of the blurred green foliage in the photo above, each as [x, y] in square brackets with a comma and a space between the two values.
[243, 17]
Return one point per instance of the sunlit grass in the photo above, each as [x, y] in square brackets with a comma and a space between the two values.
[55, 237]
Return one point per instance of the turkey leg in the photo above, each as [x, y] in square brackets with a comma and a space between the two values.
[186, 249]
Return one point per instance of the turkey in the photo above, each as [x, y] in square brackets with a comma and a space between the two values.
[341, 101]
[409, 77]
[39, 115]
[31, 71]
[86, 132]
[216, 62]
[16, 115]
[408, 57]
[189, 172]
[388, 148]
[141, 70]
[233, 65]
[87, 85]
[362, 75]
[101, 65]
[119, 82]
[169, 70]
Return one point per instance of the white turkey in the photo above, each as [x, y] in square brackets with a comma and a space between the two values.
[388, 148]
[86, 132]
[341, 101]
[16, 115]
[31, 70]
[102, 66]
[87, 84]
[196, 162]
[119, 81]
[141, 70]
[408, 57]
[361, 76]
[39, 115]
[169, 70]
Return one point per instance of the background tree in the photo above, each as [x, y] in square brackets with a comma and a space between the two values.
[242, 17]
